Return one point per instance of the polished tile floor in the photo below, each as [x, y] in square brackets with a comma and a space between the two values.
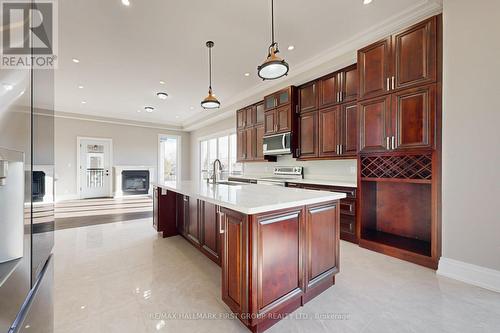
[122, 277]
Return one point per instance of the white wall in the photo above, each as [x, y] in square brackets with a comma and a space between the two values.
[132, 145]
[471, 136]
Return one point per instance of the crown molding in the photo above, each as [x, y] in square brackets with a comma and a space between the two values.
[108, 120]
[339, 56]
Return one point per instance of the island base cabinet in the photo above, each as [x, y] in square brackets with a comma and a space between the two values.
[275, 262]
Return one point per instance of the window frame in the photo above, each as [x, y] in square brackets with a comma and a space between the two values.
[178, 166]
[217, 136]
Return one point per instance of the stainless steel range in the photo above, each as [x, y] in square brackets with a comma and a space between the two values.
[282, 175]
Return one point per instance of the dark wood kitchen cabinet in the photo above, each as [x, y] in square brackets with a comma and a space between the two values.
[308, 135]
[400, 121]
[329, 87]
[403, 60]
[348, 226]
[308, 100]
[210, 236]
[250, 133]
[192, 221]
[374, 124]
[241, 145]
[279, 116]
[329, 131]
[328, 116]
[234, 260]
[279, 98]
[349, 90]
[349, 129]
[414, 52]
[374, 64]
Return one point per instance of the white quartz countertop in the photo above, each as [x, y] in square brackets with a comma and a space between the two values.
[250, 199]
[311, 181]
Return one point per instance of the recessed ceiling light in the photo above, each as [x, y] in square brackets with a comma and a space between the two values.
[162, 95]
[191, 108]
[76, 61]
[176, 117]
[366, 2]
[7, 86]
[162, 82]
[126, 2]
[291, 47]
[80, 87]
[82, 307]
[247, 74]
[149, 109]
[84, 102]
[139, 110]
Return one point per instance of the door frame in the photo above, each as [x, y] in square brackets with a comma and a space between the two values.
[178, 157]
[78, 163]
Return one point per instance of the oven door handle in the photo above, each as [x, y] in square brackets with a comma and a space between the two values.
[283, 141]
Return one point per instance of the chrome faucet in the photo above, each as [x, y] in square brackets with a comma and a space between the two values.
[215, 172]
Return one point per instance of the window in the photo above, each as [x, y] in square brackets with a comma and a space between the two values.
[223, 148]
[168, 161]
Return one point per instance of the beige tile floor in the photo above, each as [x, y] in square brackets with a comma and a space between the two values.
[120, 277]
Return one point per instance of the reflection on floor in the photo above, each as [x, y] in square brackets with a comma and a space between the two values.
[123, 277]
[86, 212]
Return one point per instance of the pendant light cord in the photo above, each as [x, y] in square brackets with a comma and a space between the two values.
[272, 22]
[210, 68]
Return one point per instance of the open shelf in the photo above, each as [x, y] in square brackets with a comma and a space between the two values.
[404, 243]
[396, 218]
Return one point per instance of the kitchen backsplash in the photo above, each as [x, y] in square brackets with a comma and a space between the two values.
[324, 169]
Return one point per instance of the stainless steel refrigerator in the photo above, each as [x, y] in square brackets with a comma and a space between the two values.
[26, 200]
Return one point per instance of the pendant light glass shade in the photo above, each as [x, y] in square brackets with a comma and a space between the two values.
[210, 102]
[273, 67]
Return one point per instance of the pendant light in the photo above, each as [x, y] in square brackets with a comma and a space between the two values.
[274, 67]
[210, 102]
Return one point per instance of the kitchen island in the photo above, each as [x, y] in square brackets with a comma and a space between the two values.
[278, 247]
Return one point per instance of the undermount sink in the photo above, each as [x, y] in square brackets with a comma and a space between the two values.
[230, 183]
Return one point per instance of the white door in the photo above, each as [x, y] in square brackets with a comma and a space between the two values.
[95, 168]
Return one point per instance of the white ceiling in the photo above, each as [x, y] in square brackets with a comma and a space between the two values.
[125, 52]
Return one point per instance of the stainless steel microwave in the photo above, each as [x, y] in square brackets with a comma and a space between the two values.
[278, 144]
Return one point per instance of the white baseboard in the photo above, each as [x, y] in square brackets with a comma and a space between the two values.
[65, 197]
[476, 275]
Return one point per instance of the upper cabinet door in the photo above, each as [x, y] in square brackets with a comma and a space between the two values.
[241, 145]
[259, 143]
[349, 129]
[250, 143]
[251, 116]
[259, 113]
[307, 97]
[374, 62]
[283, 97]
[283, 119]
[329, 131]
[241, 118]
[413, 117]
[350, 84]
[308, 124]
[329, 87]
[270, 122]
[374, 124]
[415, 54]
[270, 102]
